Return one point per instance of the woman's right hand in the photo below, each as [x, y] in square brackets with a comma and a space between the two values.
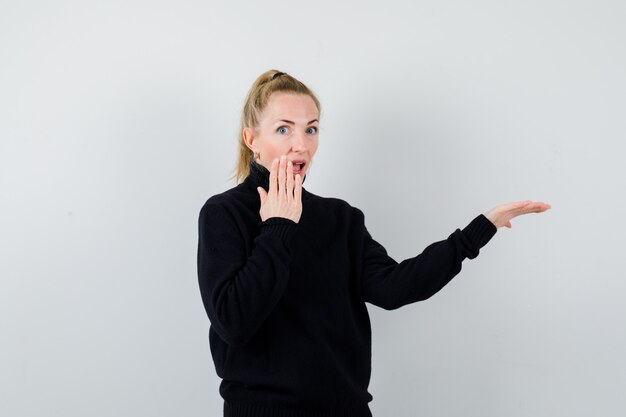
[284, 198]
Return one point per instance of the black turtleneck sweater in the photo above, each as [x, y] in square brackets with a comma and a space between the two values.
[289, 329]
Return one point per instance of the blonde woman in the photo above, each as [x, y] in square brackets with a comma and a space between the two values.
[284, 274]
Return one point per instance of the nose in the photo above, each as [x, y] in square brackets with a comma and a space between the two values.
[298, 142]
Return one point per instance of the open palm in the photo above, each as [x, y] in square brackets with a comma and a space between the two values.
[502, 214]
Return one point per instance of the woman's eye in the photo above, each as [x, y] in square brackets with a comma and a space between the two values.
[282, 129]
[314, 129]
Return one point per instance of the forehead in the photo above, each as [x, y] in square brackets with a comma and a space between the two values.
[297, 107]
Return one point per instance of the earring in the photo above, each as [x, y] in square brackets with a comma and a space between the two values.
[257, 155]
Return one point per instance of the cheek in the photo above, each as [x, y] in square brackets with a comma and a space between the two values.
[274, 151]
[315, 145]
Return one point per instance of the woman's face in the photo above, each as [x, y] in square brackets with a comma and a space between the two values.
[289, 126]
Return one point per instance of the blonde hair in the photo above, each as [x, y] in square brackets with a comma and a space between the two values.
[254, 104]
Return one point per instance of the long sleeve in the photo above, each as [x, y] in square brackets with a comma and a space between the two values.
[239, 290]
[390, 285]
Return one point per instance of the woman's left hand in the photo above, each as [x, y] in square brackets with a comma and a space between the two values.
[501, 215]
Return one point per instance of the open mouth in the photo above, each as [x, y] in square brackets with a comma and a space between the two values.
[298, 166]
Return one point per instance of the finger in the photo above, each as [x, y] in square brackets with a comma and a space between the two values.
[532, 207]
[289, 181]
[541, 206]
[297, 192]
[521, 206]
[262, 193]
[262, 196]
[281, 175]
[536, 207]
[512, 208]
[274, 177]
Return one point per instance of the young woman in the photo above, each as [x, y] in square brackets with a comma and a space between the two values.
[284, 273]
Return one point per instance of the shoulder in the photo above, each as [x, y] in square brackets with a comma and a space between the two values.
[216, 200]
[223, 203]
[337, 205]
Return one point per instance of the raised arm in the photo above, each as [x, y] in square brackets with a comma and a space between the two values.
[390, 285]
[239, 291]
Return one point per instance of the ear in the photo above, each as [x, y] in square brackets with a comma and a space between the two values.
[248, 137]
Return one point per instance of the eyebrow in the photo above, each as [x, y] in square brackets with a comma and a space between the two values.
[290, 122]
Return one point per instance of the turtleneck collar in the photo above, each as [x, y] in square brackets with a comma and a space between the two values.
[260, 176]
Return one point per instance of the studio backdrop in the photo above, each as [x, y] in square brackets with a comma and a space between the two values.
[118, 119]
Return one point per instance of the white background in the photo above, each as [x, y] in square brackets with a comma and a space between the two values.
[118, 119]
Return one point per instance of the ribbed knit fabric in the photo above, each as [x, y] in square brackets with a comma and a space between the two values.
[256, 410]
[289, 328]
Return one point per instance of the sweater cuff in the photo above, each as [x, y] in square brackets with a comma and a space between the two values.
[480, 231]
[281, 227]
